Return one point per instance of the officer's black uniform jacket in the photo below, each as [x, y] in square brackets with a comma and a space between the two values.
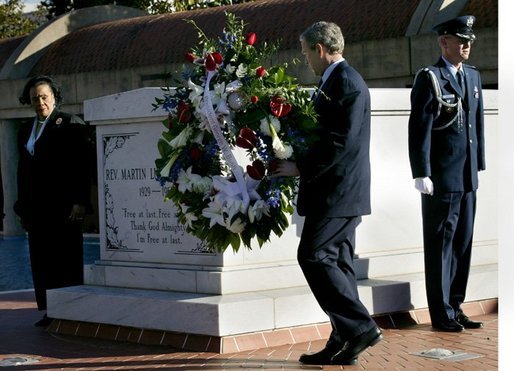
[450, 156]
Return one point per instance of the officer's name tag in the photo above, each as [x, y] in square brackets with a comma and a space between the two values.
[448, 97]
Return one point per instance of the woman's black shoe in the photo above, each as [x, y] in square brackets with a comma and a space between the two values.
[44, 322]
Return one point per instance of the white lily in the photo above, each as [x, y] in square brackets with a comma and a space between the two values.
[236, 226]
[219, 99]
[218, 92]
[242, 70]
[165, 171]
[257, 210]
[233, 206]
[182, 139]
[267, 122]
[214, 212]
[190, 217]
[229, 69]
[203, 124]
[281, 151]
[187, 179]
[196, 94]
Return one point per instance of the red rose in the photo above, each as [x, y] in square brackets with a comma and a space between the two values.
[183, 112]
[213, 60]
[190, 57]
[256, 170]
[251, 38]
[279, 107]
[218, 58]
[260, 71]
[246, 139]
[195, 153]
[254, 99]
[210, 64]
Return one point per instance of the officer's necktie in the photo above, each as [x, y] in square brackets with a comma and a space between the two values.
[460, 80]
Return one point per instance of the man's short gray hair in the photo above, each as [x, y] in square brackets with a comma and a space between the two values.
[325, 33]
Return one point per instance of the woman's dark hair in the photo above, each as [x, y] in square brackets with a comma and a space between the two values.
[40, 80]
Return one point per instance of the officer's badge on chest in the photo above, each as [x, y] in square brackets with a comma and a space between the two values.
[475, 92]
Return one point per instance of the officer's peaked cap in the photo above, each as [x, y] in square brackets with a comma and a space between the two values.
[460, 26]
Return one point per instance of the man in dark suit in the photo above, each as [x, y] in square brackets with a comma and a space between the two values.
[334, 193]
[53, 189]
[446, 150]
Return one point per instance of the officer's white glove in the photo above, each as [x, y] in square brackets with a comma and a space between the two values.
[424, 185]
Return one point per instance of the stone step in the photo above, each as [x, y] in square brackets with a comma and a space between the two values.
[257, 277]
[232, 314]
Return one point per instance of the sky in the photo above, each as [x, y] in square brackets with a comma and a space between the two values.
[30, 5]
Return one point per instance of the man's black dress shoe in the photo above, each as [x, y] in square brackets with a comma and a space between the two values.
[43, 322]
[323, 357]
[465, 322]
[353, 347]
[448, 326]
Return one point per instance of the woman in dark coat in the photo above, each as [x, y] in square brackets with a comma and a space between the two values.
[53, 189]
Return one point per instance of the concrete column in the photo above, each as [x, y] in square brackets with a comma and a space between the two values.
[9, 163]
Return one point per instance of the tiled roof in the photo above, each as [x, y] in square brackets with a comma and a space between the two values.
[7, 47]
[486, 12]
[162, 39]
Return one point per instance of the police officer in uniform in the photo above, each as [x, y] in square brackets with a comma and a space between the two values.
[446, 151]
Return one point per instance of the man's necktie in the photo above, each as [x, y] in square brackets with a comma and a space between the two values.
[317, 91]
[460, 80]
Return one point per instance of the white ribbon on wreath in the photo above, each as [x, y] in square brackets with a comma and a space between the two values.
[237, 170]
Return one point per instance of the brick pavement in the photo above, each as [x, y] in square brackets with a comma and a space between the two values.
[20, 339]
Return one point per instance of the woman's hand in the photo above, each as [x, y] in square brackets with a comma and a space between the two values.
[77, 213]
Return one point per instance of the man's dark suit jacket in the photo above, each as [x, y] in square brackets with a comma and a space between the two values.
[335, 173]
[451, 157]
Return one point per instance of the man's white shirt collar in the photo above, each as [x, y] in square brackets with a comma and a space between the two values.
[453, 70]
[329, 70]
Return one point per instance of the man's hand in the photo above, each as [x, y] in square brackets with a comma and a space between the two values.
[424, 185]
[286, 168]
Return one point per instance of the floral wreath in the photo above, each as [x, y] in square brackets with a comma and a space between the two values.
[228, 103]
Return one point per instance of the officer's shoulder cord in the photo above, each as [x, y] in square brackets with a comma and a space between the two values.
[439, 98]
